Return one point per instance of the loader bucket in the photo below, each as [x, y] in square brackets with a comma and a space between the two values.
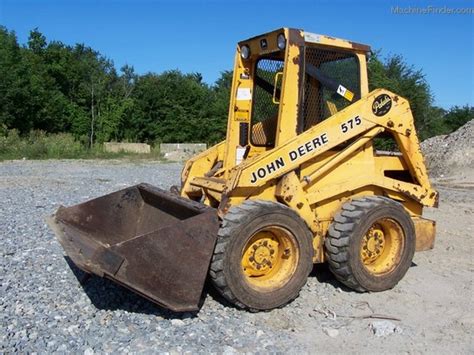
[151, 241]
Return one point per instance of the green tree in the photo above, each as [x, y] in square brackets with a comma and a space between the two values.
[117, 105]
[396, 75]
[171, 107]
[12, 92]
[458, 116]
[36, 41]
[220, 106]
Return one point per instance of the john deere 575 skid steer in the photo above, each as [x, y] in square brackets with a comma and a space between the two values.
[297, 181]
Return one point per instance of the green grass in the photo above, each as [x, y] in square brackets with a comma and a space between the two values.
[41, 145]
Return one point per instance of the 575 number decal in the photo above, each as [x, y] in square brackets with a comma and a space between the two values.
[350, 124]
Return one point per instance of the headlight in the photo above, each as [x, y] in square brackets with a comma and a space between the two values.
[281, 41]
[245, 52]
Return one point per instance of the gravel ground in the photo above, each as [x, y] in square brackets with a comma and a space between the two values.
[44, 308]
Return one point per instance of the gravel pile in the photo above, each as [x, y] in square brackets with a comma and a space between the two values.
[452, 153]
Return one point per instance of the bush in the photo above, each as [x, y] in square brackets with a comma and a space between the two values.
[41, 145]
[11, 145]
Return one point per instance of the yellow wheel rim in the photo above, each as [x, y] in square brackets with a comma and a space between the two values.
[382, 246]
[270, 258]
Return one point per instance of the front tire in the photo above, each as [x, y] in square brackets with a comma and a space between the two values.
[263, 255]
[370, 244]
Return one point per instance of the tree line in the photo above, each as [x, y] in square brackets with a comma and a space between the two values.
[58, 88]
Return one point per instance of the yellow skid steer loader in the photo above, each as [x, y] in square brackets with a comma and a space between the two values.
[297, 181]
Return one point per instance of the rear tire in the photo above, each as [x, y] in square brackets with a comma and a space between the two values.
[370, 244]
[263, 255]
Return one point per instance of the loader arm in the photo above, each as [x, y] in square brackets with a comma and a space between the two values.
[342, 127]
[200, 165]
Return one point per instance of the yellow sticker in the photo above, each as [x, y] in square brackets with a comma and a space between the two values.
[344, 92]
[241, 116]
[349, 95]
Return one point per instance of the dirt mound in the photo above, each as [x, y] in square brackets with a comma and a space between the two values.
[452, 153]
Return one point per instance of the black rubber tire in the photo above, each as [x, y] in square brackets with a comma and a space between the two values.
[342, 244]
[238, 226]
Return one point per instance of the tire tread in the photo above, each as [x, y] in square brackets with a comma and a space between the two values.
[339, 234]
[231, 222]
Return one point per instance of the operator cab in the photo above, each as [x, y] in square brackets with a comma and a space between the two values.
[287, 81]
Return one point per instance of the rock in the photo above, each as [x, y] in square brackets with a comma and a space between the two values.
[62, 347]
[333, 333]
[177, 322]
[229, 350]
[50, 344]
[383, 328]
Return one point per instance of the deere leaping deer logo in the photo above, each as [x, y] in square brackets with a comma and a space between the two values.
[381, 105]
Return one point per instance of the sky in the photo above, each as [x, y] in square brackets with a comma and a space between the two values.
[201, 36]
